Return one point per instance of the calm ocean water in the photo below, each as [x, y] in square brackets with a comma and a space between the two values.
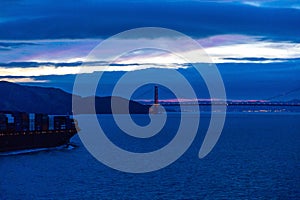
[256, 157]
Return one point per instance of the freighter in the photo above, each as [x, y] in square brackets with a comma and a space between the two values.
[20, 131]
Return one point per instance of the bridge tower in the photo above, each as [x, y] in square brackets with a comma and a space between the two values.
[156, 95]
[154, 109]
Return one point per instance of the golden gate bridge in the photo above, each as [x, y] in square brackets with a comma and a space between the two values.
[271, 101]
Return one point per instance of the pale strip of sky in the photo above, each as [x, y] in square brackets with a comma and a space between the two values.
[221, 49]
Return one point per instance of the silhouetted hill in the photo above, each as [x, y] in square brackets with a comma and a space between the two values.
[32, 99]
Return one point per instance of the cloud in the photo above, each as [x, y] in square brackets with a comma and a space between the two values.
[273, 3]
[254, 43]
[37, 71]
[253, 3]
[6, 46]
[100, 19]
[270, 51]
[61, 57]
[82, 69]
[262, 60]
[46, 50]
[23, 80]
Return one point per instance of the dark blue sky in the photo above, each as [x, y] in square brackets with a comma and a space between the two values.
[93, 19]
[254, 43]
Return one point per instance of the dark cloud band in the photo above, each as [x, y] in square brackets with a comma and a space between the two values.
[50, 20]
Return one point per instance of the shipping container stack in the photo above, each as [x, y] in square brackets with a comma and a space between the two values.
[74, 124]
[11, 123]
[70, 123]
[61, 122]
[51, 122]
[41, 122]
[3, 123]
[21, 121]
[31, 121]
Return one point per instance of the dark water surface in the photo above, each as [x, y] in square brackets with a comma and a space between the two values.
[256, 157]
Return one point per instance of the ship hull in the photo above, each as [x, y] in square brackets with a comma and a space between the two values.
[34, 139]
